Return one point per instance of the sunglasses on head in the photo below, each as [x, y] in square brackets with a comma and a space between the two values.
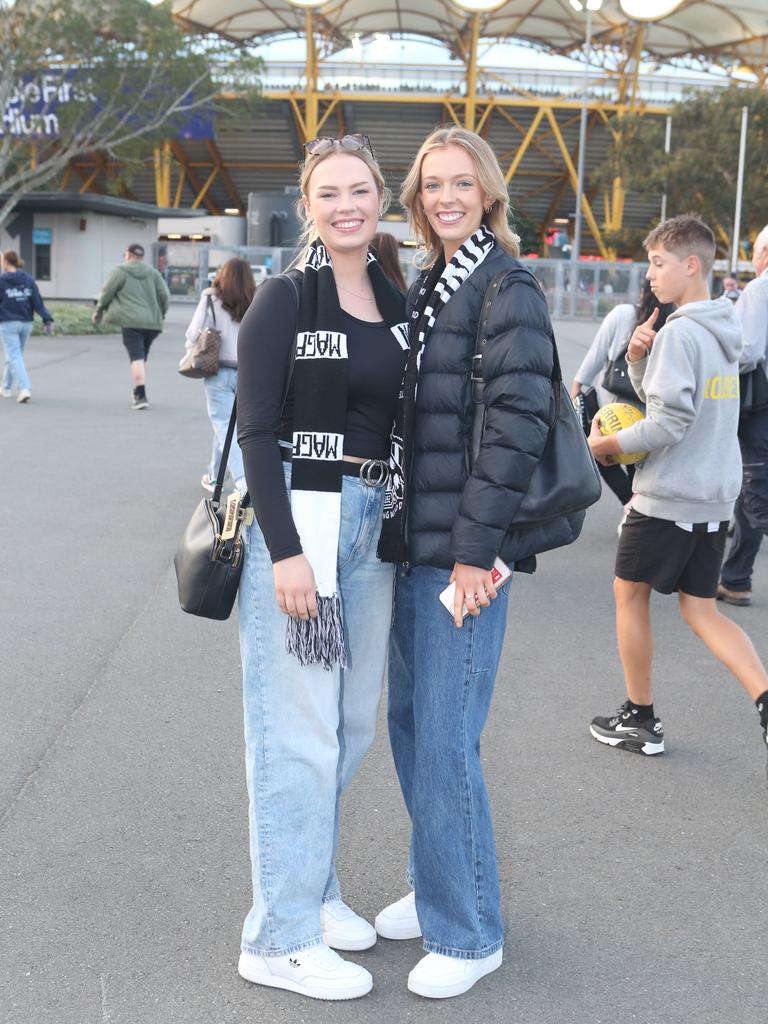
[348, 142]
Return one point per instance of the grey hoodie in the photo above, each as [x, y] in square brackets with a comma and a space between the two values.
[690, 384]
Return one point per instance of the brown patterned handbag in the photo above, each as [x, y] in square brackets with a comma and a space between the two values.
[202, 360]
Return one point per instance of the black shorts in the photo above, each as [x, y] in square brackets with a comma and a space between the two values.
[138, 341]
[668, 558]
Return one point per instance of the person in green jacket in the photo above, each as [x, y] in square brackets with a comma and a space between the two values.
[135, 298]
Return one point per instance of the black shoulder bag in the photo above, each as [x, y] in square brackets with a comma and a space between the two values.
[616, 377]
[565, 480]
[209, 559]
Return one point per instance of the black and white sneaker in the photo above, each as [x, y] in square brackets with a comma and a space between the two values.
[139, 398]
[623, 730]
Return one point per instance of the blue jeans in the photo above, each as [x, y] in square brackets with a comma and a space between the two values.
[220, 392]
[306, 729]
[440, 686]
[750, 516]
[15, 334]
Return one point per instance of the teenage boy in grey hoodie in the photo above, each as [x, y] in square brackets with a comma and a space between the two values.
[674, 534]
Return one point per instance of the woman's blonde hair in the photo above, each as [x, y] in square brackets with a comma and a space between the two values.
[309, 232]
[490, 180]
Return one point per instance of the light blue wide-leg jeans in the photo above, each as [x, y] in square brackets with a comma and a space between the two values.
[220, 390]
[441, 683]
[307, 729]
[15, 334]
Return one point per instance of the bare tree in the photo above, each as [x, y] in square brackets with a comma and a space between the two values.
[80, 76]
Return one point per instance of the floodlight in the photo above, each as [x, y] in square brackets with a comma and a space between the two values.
[648, 10]
[479, 6]
[307, 3]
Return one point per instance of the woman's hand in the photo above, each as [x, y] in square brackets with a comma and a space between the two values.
[295, 588]
[474, 587]
[643, 337]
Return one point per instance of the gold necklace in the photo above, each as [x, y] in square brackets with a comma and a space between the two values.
[362, 298]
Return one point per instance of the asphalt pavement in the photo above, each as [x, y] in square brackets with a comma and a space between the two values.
[634, 889]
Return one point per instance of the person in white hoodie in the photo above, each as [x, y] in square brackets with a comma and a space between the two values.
[223, 306]
[674, 533]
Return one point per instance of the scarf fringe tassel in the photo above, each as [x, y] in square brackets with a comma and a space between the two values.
[320, 640]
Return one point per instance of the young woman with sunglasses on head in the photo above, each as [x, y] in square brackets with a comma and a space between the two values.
[321, 354]
[447, 521]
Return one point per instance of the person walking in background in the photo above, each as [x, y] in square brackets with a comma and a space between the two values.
[19, 301]
[750, 516]
[444, 521]
[731, 288]
[135, 298]
[228, 297]
[609, 348]
[315, 601]
[387, 251]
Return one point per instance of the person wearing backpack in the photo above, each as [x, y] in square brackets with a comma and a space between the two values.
[604, 368]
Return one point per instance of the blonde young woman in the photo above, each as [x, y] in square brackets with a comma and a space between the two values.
[320, 355]
[447, 521]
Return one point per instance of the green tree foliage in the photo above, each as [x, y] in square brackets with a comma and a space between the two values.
[700, 173]
[108, 76]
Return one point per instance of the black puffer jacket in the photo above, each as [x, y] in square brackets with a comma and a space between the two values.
[453, 517]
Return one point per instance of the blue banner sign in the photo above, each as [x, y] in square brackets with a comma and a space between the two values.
[33, 108]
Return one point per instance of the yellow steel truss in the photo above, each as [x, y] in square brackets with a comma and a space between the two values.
[312, 110]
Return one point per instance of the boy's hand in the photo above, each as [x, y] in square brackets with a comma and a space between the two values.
[643, 337]
[602, 446]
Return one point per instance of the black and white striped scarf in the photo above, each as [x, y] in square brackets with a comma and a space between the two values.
[320, 389]
[439, 285]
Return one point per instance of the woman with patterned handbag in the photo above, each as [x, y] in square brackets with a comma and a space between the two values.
[445, 522]
[223, 306]
[315, 601]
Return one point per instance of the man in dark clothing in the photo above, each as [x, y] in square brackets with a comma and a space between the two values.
[135, 298]
[750, 516]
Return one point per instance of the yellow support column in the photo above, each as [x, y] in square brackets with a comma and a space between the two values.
[471, 102]
[311, 103]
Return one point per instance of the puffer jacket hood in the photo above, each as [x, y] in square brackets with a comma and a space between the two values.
[719, 318]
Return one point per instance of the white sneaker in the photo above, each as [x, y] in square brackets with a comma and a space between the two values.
[440, 977]
[24, 395]
[342, 928]
[316, 972]
[399, 920]
[7, 393]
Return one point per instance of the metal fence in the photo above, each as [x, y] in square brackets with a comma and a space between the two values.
[588, 290]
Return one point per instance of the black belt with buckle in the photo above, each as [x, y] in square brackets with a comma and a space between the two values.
[373, 472]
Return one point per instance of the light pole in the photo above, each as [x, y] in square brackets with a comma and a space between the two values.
[577, 5]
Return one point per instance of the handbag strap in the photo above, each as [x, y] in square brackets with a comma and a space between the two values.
[481, 339]
[210, 308]
[222, 470]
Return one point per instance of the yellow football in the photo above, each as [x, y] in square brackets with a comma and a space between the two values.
[617, 416]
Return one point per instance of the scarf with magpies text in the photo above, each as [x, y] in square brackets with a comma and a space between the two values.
[439, 284]
[320, 390]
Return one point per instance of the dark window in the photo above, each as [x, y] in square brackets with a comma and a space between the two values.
[43, 262]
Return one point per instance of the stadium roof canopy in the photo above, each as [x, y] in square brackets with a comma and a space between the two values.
[722, 32]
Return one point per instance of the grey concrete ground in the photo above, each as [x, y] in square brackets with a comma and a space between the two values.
[634, 889]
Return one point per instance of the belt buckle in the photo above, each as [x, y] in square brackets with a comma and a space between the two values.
[374, 472]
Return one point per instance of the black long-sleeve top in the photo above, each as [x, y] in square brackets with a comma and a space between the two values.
[265, 343]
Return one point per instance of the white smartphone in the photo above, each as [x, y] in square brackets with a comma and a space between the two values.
[500, 573]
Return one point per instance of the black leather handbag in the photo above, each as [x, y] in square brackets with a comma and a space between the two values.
[616, 377]
[566, 480]
[209, 559]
